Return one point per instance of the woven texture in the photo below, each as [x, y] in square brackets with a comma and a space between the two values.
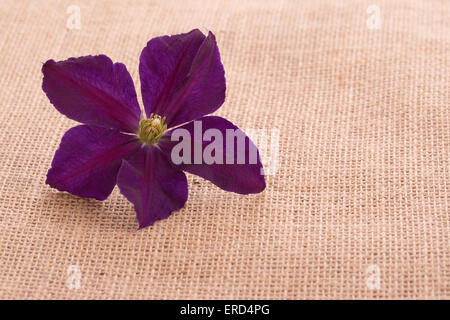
[363, 183]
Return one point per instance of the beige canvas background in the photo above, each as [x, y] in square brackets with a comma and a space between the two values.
[363, 179]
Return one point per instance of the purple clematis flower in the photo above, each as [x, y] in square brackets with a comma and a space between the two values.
[182, 80]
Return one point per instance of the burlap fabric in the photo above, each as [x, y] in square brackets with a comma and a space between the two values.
[359, 207]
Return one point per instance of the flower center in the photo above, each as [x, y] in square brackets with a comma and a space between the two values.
[152, 129]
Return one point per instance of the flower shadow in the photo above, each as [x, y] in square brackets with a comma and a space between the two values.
[71, 211]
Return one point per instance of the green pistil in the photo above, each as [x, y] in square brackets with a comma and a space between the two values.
[152, 129]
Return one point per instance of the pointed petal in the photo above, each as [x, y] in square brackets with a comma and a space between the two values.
[241, 173]
[93, 90]
[182, 76]
[155, 188]
[88, 159]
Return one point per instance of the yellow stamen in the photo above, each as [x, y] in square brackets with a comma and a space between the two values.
[151, 129]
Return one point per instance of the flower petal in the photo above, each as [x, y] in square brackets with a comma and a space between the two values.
[155, 188]
[93, 90]
[182, 76]
[88, 159]
[238, 167]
